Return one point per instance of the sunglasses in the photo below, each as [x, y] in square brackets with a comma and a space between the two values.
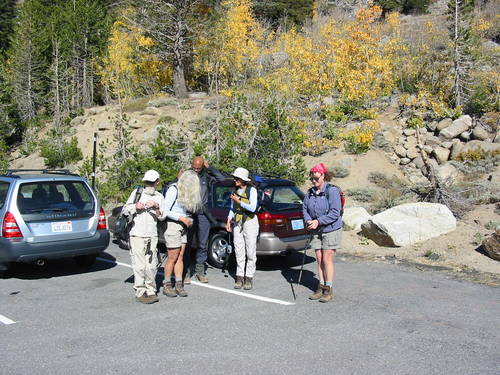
[314, 178]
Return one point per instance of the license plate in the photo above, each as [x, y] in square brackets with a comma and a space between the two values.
[297, 224]
[65, 226]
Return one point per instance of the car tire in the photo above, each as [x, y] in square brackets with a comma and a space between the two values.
[85, 260]
[4, 269]
[217, 245]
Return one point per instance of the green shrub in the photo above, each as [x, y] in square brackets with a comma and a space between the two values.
[136, 105]
[340, 172]
[361, 194]
[352, 146]
[59, 153]
[415, 122]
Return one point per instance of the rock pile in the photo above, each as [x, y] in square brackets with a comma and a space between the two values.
[442, 141]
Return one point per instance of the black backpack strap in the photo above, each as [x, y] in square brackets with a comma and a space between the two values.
[138, 194]
[176, 194]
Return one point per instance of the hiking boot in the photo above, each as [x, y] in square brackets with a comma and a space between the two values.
[168, 290]
[179, 289]
[147, 299]
[200, 273]
[187, 279]
[318, 293]
[248, 283]
[238, 284]
[327, 294]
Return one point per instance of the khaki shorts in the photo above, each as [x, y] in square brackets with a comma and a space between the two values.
[327, 241]
[175, 235]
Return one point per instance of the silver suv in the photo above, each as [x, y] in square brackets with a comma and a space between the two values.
[48, 214]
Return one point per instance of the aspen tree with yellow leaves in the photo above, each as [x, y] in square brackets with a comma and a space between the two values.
[130, 68]
[228, 53]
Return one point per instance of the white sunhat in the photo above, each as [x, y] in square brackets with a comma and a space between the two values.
[151, 176]
[241, 173]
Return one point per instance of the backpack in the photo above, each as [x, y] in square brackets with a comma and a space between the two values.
[124, 224]
[327, 195]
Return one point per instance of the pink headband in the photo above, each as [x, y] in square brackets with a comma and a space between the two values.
[320, 168]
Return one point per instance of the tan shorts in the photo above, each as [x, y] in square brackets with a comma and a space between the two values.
[175, 235]
[327, 241]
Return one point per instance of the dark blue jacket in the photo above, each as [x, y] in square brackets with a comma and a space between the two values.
[315, 206]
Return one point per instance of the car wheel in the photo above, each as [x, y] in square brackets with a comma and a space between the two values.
[85, 260]
[4, 268]
[218, 251]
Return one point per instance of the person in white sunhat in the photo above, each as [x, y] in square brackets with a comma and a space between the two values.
[146, 212]
[246, 227]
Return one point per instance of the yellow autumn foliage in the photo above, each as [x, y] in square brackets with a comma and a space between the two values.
[354, 59]
[228, 52]
[129, 68]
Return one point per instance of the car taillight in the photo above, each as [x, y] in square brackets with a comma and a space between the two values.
[101, 224]
[10, 229]
[266, 218]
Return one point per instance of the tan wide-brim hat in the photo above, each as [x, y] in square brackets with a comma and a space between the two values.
[151, 176]
[241, 173]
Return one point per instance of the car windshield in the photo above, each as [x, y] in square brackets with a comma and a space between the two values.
[4, 187]
[281, 198]
[55, 196]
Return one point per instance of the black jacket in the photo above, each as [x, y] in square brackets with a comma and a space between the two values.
[207, 177]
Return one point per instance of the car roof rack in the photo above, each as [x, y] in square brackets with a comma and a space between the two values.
[15, 172]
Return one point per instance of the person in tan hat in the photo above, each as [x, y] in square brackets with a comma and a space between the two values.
[246, 228]
[146, 211]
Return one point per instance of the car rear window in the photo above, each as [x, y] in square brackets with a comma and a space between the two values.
[4, 188]
[68, 198]
[281, 198]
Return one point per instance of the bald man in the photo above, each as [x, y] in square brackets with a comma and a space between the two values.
[207, 175]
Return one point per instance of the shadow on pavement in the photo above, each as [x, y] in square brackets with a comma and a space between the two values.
[56, 268]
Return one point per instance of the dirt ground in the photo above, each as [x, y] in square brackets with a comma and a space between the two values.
[457, 251]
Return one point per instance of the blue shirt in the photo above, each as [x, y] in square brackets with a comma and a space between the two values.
[172, 209]
[316, 207]
[252, 206]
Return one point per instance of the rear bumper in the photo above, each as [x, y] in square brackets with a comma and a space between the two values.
[269, 244]
[22, 251]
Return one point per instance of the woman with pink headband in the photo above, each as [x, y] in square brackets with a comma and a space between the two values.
[322, 214]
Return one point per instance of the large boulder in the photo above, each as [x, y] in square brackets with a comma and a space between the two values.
[446, 172]
[492, 245]
[458, 126]
[441, 154]
[443, 124]
[484, 145]
[480, 133]
[456, 149]
[409, 223]
[353, 218]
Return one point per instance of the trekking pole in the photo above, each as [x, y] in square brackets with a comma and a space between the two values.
[308, 243]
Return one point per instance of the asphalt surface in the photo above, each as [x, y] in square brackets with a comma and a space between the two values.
[385, 319]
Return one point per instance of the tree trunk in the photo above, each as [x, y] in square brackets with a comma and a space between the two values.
[180, 89]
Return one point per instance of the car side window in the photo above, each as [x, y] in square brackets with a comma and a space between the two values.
[222, 196]
[4, 188]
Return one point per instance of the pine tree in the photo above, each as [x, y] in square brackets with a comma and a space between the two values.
[170, 24]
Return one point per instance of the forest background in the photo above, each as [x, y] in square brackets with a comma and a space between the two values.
[264, 62]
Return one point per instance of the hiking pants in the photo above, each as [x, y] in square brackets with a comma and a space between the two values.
[245, 246]
[144, 257]
[203, 230]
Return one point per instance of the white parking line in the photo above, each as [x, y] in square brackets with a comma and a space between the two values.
[6, 320]
[246, 295]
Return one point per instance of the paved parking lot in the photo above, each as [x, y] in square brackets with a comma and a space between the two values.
[385, 319]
